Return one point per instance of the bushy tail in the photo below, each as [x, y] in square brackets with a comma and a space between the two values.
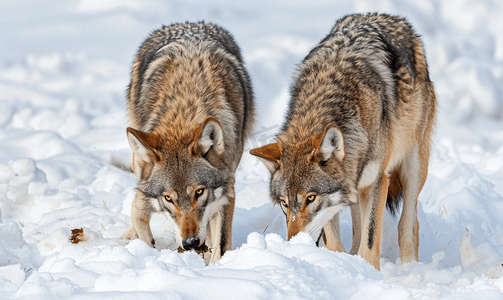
[395, 193]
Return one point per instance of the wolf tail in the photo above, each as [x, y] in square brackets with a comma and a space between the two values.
[395, 193]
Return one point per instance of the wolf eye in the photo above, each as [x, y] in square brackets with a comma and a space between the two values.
[310, 199]
[283, 202]
[199, 192]
[168, 199]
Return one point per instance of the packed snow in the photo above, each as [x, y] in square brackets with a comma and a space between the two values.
[64, 68]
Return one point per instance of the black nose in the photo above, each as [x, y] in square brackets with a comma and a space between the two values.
[190, 243]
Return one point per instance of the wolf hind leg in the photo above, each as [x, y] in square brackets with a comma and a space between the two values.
[413, 173]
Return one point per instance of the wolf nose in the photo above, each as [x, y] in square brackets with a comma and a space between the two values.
[190, 243]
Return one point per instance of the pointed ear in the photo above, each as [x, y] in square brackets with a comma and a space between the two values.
[329, 144]
[209, 135]
[270, 155]
[144, 147]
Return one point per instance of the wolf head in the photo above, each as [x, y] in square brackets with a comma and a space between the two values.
[185, 177]
[308, 179]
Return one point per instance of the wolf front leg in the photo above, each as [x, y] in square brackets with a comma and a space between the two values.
[220, 228]
[372, 206]
[357, 228]
[332, 235]
[332, 232]
[140, 222]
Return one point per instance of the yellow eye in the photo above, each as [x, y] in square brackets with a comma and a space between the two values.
[283, 202]
[169, 199]
[199, 192]
[310, 199]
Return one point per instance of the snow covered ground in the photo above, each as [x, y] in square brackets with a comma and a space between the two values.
[64, 66]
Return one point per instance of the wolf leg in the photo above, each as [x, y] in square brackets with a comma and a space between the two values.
[413, 176]
[220, 227]
[215, 235]
[227, 224]
[357, 232]
[220, 233]
[372, 205]
[140, 223]
[130, 233]
[332, 234]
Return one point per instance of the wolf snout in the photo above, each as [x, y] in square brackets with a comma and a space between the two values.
[191, 243]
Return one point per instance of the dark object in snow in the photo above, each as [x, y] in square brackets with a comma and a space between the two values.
[77, 236]
[203, 249]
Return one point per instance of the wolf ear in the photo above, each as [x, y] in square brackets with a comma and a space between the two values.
[208, 135]
[270, 155]
[144, 147]
[329, 144]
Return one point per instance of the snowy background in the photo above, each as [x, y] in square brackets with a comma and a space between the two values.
[64, 67]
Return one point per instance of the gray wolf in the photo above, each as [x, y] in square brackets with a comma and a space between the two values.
[190, 105]
[357, 133]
